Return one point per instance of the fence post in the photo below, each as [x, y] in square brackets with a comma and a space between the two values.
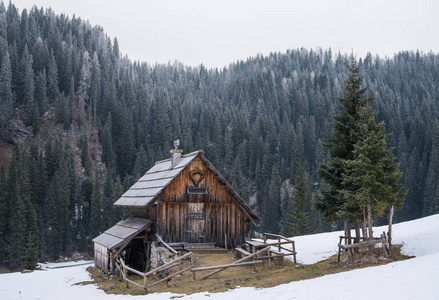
[265, 238]
[269, 259]
[294, 252]
[145, 285]
[125, 273]
[278, 239]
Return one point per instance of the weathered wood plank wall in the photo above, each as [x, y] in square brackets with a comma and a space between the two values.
[101, 257]
[216, 219]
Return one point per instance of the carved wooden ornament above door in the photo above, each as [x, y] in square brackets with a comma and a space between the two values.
[197, 176]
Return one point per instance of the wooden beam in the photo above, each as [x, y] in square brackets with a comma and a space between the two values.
[168, 265]
[237, 262]
[166, 245]
[169, 277]
[228, 266]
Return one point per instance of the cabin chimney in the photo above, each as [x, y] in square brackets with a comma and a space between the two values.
[175, 153]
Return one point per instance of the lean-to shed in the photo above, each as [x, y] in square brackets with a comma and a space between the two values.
[110, 243]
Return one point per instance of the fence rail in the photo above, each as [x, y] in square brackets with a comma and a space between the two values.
[279, 244]
[124, 269]
[365, 243]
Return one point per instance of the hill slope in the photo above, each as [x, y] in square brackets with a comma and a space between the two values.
[415, 278]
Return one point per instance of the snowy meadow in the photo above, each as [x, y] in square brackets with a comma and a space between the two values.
[415, 278]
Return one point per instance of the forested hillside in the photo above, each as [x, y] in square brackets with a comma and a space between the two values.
[80, 122]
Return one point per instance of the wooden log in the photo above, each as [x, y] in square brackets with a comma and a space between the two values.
[389, 232]
[238, 261]
[166, 245]
[125, 276]
[269, 259]
[248, 263]
[169, 277]
[339, 248]
[294, 251]
[131, 269]
[239, 252]
[362, 244]
[168, 265]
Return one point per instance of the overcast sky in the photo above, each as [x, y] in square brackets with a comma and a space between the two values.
[220, 32]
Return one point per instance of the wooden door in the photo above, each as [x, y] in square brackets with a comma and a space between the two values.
[195, 223]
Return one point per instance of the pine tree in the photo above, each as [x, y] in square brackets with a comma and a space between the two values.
[18, 197]
[141, 164]
[271, 203]
[41, 92]
[3, 214]
[52, 80]
[298, 217]
[6, 99]
[95, 212]
[371, 176]
[346, 124]
[85, 157]
[27, 88]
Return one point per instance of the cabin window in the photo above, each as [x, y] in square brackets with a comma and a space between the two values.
[192, 190]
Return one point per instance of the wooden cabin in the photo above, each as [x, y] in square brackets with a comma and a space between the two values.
[183, 199]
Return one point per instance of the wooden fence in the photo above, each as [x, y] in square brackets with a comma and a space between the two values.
[348, 246]
[281, 240]
[124, 269]
[237, 263]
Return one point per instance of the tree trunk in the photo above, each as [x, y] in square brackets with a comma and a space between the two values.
[370, 223]
[348, 239]
[364, 227]
[389, 232]
[357, 235]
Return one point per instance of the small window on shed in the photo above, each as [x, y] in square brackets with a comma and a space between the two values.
[192, 190]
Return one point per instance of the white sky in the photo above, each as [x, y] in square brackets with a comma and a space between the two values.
[217, 33]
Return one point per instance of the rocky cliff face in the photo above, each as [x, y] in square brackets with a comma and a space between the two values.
[16, 133]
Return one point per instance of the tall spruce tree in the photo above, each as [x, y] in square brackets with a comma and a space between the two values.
[371, 176]
[6, 99]
[346, 125]
[298, 217]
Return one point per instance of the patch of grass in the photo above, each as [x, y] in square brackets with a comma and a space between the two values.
[281, 272]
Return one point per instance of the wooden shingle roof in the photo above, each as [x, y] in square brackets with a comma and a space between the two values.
[147, 189]
[149, 186]
[124, 230]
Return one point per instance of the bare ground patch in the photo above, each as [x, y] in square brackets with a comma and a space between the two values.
[245, 276]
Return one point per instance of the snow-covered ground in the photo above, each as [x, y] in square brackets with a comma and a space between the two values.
[416, 278]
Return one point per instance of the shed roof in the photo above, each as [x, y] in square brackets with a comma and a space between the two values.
[149, 186]
[121, 232]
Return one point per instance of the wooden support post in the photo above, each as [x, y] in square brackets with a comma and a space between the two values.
[389, 232]
[385, 249]
[145, 284]
[265, 238]
[294, 252]
[225, 240]
[125, 273]
[269, 259]
[278, 239]
[339, 248]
